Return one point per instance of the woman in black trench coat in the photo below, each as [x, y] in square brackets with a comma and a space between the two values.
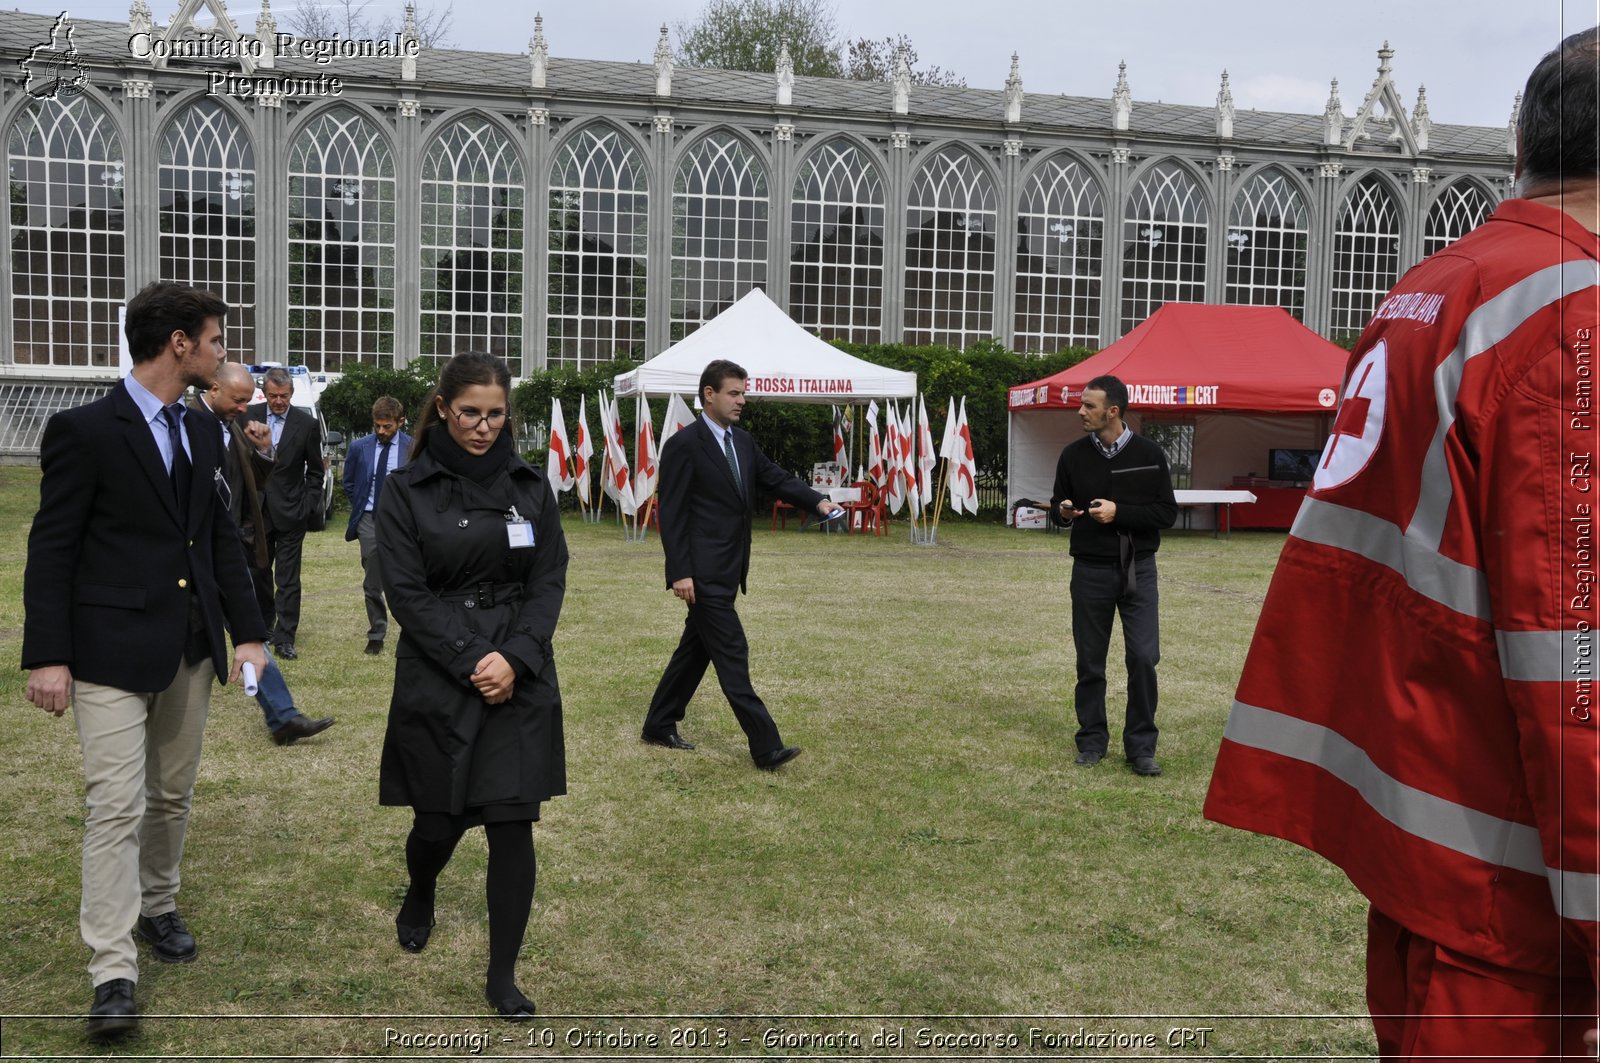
[474, 567]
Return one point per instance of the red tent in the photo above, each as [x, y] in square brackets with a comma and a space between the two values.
[1209, 357]
[1247, 379]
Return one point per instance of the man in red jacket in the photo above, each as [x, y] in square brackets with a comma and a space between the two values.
[1418, 705]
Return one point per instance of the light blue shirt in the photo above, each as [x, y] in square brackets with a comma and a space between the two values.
[276, 421]
[1116, 448]
[151, 408]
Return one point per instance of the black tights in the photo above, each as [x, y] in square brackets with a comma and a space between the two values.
[509, 887]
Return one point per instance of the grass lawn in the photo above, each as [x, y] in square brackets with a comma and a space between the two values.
[935, 852]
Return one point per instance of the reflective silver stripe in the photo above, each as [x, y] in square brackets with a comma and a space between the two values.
[1423, 815]
[1546, 656]
[1577, 895]
[1426, 571]
[1484, 327]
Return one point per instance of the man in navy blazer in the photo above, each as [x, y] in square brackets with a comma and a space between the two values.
[366, 467]
[133, 568]
[709, 473]
[292, 438]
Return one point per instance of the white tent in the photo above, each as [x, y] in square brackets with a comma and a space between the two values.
[785, 362]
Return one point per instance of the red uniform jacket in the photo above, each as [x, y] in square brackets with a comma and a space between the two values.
[1418, 704]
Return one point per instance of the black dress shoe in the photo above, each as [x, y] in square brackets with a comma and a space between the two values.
[514, 1008]
[300, 726]
[112, 1014]
[672, 740]
[169, 939]
[1144, 766]
[413, 938]
[771, 761]
[1088, 758]
[286, 651]
[374, 647]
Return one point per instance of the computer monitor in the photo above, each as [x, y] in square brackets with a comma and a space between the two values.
[1294, 464]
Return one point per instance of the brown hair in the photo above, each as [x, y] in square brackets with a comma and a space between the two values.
[164, 307]
[388, 408]
[466, 370]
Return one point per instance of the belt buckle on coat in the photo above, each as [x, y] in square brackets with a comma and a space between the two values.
[485, 596]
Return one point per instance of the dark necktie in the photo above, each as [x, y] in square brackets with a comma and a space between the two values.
[181, 471]
[733, 462]
[382, 471]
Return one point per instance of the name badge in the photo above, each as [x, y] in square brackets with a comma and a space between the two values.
[519, 533]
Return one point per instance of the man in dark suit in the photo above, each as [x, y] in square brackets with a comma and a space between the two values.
[133, 569]
[242, 467]
[370, 461]
[709, 473]
[293, 440]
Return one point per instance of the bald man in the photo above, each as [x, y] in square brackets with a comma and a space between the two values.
[228, 397]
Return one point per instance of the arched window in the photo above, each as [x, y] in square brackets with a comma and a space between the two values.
[719, 230]
[1267, 231]
[950, 245]
[836, 265]
[1366, 255]
[599, 221]
[1459, 209]
[208, 214]
[67, 268]
[341, 243]
[472, 226]
[1164, 243]
[1060, 247]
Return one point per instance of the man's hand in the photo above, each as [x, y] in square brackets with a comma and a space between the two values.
[827, 506]
[254, 653]
[1067, 510]
[495, 678]
[1103, 510]
[684, 588]
[259, 435]
[50, 688]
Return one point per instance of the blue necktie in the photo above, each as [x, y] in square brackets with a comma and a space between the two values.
[380, 473]
[181, 471]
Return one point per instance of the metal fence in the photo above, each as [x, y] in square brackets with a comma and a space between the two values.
[25, 406]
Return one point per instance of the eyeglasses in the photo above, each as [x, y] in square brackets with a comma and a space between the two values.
[469, 419]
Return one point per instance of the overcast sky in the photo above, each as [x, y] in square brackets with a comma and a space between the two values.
[1473, 55]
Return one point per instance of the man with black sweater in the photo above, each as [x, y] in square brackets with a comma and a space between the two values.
[1113, 489]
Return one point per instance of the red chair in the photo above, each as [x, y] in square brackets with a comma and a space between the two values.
[781, 512]
[869, 509]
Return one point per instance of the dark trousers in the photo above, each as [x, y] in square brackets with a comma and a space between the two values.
[712, 634]
[261, 579]
[283, 547]
[1098, 594]
[372, 578]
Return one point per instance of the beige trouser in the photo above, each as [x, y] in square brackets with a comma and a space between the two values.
[140, 756]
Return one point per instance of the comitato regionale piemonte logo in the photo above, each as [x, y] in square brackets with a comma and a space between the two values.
[53, 67]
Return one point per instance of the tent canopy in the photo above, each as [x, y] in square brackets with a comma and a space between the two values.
[784, 361]
[1207, 358]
